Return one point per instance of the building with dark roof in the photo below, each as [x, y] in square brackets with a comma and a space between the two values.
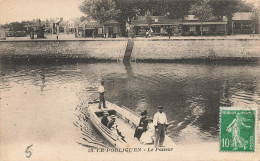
[162, 25]
[35, 28]
[109, 28]
[112, 28]
[242, 23]
[56, 25]
[90, 29]
[155, 25]
[192, 26]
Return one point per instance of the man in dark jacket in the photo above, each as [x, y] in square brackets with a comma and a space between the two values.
[113, 126]
[111, 122]
[104, 119]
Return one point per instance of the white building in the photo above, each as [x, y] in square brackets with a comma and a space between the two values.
[73, 24]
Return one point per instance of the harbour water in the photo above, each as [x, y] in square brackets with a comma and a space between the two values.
[44, 104]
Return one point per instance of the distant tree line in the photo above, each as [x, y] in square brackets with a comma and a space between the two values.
[19, 26]
[126, 10]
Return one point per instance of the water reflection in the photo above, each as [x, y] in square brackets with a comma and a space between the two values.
[191, 94]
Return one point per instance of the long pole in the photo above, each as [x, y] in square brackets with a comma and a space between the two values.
[201, 30]
[232, 28]
[225, 30]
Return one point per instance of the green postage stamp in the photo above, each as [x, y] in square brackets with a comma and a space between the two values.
[237, 129]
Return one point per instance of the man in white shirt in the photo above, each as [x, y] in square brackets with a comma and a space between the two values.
[160, 124]
[101, 91]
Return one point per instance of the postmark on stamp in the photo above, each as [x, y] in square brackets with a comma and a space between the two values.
[237, 129]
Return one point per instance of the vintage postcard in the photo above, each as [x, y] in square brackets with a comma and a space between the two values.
[130, 80]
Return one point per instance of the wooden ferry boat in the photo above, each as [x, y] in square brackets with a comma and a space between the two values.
[126, 119]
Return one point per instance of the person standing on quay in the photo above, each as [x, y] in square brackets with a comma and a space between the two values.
[101, 91]
[160, 124]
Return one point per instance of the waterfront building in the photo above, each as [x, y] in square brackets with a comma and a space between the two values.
[73, 24]
[35, 29]
[63, 26]
[156, 25]
[47, 26]
[8, 32]
[2, 33]
[112, 28]
[242, 23]
[28, 26]
[90, 29]
[192, 27]
[55, 25]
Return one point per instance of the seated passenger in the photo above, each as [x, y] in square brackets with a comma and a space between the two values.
[141, 126]
[113, 126]
[111, 123]
[104, 119]
[148, 136]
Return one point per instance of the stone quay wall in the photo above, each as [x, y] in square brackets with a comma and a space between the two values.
[143, 49]
[194, 49]
[110, 50]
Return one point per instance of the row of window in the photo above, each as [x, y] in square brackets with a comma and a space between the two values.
[243, 26]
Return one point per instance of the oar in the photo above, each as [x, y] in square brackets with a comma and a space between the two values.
[96, 99]
[120, 134]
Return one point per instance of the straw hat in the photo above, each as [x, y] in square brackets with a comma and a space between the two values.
[113, 116]
[149, 119]
[160, 107]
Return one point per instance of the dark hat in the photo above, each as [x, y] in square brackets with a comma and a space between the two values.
[144, 113]
[160, 107]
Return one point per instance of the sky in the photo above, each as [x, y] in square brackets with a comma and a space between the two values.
[19, 10]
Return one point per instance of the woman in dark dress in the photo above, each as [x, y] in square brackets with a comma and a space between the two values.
[142, 126]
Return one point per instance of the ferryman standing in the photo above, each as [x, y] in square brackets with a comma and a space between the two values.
[101, 91]
[160, 124]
